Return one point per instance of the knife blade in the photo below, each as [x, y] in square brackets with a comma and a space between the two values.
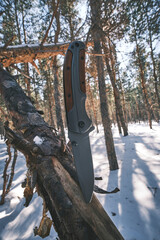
[78, 122]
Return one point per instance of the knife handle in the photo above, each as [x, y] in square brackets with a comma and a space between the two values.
[67, 76]
[82, 70]
[67, 81]
[75, 88]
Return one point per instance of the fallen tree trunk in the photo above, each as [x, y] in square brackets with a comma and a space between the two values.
[51, 167]
[30, 52]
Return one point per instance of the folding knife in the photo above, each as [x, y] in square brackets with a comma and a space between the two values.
[79, 124]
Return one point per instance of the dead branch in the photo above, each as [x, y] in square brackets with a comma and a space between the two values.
[30, 52]
[9, 41]
[53, 15]
[19, 70]
[37, 69]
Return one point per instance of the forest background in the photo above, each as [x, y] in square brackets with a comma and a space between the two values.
[128, 33]
[122, 60]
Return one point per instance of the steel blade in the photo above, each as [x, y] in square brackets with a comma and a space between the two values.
[83, 162]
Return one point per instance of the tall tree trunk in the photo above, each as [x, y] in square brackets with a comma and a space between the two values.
[154, 70]
[27, 80]
[123, 101]
[152, 55]
[129, 112]
[26, 66]
[95, 11]
[52, 164]
[60, 124]
[118, 122]
[5, 175]
[36, 87]
[52, 101]
[17, 22]
[56, 80]
[92, 105]
[50, 105]
[143, 85]
[112, 75]
[138, 110]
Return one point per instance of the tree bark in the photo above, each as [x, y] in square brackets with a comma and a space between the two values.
[52, 164]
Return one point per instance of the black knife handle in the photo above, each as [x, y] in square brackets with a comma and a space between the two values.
[75, 88]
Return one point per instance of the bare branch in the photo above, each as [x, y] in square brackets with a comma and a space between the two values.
[9, 41]
[46, 35]
[34, 65]
[19, 70]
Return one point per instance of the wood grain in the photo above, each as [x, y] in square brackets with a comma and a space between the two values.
[67, 80]
[82, 70]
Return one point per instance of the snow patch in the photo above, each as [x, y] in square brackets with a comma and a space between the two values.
[135, 209]
[37, 140]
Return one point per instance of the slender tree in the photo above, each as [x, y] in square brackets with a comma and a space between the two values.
[110, 63]
[144, 25]
[146, 15]
[152, 29]
[56, 78]
[96, 16]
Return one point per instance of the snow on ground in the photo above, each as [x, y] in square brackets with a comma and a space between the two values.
[135, 210]
[16, 221]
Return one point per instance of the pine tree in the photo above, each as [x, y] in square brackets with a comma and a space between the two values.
[144, 25]
[96, 34]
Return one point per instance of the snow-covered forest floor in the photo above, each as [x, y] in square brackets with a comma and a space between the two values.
[135, 209]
